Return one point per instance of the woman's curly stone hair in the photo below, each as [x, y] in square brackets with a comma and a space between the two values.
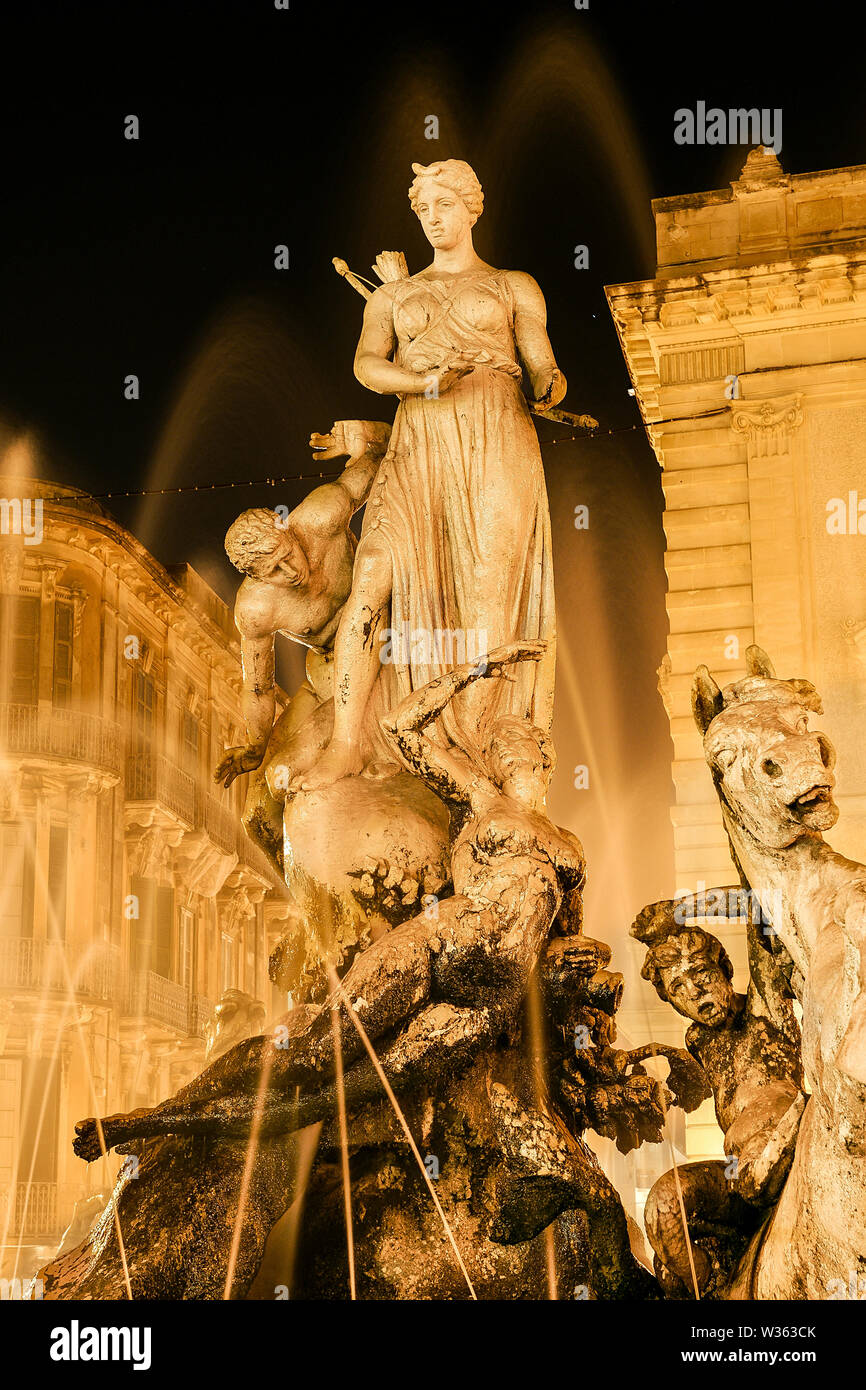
[457, 175]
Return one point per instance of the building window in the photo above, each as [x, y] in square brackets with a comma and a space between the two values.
[164, 931]
[186, 949]
[63, 644]
[58, 875]
[19, 649]
[189, 743]
[151, 936]
[227, 962]
[16, 881]
[40, 1127]
[143, 709]
[141, 925]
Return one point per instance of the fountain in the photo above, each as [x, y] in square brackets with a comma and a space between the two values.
[414, 1126]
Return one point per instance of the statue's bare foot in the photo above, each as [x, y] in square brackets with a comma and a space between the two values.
[338, 760]
[115, 1128]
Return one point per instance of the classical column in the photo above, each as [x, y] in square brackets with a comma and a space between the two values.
[50, 569]
[45, 790]
[83, 792]
[781, 569]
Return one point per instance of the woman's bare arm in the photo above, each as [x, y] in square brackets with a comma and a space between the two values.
[530, 333]
[374, 367]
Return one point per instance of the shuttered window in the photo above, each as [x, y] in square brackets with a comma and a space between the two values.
[58, 875]
[19, 649]
[63, 652]
[16, 880]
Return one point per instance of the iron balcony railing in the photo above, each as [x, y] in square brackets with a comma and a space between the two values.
[27, 730]
[199, 1014]
[95, 972]
[150, 777]
[37, 1211]
[152, 996]
[31, 1210]
[220, 823]
[224, 828]
[48, 966]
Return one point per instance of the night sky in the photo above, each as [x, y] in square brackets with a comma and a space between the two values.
[261, 127]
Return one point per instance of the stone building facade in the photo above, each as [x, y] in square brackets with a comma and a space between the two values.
[747, 353]
[130, 897]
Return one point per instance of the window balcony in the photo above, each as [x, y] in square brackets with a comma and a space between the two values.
[254, 858]
[38, 1211]
[220, 823]
[224, 828]
[32, 1211]
[156, 999]
[67, 735]
[199, 1015]
[153, 780]
[55, 968]
[46, 967]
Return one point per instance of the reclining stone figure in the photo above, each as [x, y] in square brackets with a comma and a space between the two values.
[439, 988]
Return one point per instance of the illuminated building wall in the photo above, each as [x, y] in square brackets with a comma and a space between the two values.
[749, 350]
[130, 897]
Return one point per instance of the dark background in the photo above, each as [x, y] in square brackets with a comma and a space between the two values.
[261, 127]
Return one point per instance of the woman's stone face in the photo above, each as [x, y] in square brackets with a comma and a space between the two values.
[443, 215]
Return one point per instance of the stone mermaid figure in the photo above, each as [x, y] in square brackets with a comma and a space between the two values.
[437, 990]
[456, 536]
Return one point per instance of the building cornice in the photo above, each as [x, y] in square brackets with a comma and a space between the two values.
[732, 293]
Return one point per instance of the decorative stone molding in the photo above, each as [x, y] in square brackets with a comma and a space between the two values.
[11, 563]
[767, 424]
[701, 362]
[10, 791]
[90, 783]
[746, 294]
[238, 901]
[148, 852]
[83, 790]
[761, 170]
[50, 570]
[79, 603]
[202, 866]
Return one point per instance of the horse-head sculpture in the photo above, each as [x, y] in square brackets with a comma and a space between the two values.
[774, 775]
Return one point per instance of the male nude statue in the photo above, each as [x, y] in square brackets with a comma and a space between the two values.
[297, 576]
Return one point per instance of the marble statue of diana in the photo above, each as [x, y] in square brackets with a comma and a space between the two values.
[455, 553]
